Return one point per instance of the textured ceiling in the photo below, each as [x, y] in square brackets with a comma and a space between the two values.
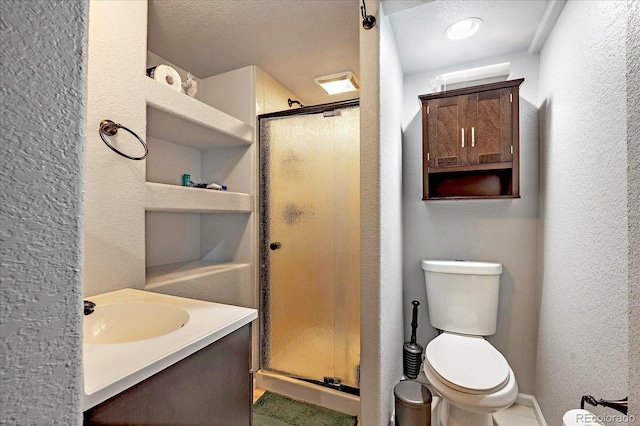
[509, 26]
[297, 40]
[395, 6]
[293, 41]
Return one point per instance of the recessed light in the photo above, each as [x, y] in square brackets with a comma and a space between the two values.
[338, 83]
[463, 28]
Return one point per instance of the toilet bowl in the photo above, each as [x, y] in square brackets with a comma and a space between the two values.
[473, 378]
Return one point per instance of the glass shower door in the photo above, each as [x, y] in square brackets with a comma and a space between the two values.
[310, 254]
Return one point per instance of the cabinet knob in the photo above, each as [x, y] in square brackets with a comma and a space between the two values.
[274, 246]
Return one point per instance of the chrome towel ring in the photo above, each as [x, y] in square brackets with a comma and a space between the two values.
[109, 128]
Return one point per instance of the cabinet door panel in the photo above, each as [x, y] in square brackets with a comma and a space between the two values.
[209, 387]
[492, 127]
[446, 119]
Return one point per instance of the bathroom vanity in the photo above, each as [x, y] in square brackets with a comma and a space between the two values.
[198, 373]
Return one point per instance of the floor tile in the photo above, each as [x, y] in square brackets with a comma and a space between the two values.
[521, 410]
[257, 393]
[504, 419]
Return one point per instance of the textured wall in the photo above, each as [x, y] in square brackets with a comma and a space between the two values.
[583, 328]
[633, 200]
[43, 107]
[498, 230]
[114, 239]
[381, 238]
[390, 185]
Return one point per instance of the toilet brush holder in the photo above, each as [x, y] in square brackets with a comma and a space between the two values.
[412, 352]
[412, 360]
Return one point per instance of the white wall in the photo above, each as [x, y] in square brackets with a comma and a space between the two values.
[583, 328]
[114, 237]
[633, 207]
[232, 92]
[381, 220]
[496, 230]
[43, 100]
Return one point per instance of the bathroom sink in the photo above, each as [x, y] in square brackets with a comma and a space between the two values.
[130, 335]
[131, 321]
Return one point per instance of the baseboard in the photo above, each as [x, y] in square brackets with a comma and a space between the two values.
[530, 401]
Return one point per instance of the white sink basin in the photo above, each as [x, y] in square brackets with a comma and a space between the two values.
[131, 321]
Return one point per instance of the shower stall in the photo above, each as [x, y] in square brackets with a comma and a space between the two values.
[310, 250]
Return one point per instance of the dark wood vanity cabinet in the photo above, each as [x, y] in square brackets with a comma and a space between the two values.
[471, 142]
[210, 387]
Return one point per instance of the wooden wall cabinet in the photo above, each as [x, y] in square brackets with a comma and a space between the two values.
[470, 142]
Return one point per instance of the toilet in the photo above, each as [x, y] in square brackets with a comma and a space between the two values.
[473, 378]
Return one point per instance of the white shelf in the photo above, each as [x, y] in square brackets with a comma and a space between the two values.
[204, 280]
[172, 198]
[175, 117]
[183, 271]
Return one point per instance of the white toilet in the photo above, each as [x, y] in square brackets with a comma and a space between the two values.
[473, 378]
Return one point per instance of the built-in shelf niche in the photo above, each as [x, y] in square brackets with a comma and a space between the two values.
[167, 162]
[222, 283]
[195, 139]
[200, 251]
[203, 256]
[230, 92]
[182, 237]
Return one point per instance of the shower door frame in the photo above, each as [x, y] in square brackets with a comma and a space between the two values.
[263, 221]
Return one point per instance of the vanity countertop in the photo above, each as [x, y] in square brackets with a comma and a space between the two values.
[112, 368]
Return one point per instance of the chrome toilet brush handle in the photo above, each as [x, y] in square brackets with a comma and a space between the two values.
[412, 352]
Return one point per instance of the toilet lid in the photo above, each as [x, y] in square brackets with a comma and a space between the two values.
[467, 363]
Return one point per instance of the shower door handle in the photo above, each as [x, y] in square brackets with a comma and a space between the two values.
[274, 246]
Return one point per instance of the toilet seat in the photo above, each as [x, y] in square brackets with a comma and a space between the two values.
[468, 364]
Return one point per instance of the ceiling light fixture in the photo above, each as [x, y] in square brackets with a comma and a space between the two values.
[463, 28]
[340, 82]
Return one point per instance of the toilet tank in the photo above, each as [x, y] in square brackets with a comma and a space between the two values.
[463, 296]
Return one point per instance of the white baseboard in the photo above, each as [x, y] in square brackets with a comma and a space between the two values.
[530, 401]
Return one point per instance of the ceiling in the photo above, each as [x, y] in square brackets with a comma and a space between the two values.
[297, 40]
[509, 26]
[292, 41]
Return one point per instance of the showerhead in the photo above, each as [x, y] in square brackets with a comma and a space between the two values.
[293, 101]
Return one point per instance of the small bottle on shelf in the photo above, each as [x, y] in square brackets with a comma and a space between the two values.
[216, 186]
